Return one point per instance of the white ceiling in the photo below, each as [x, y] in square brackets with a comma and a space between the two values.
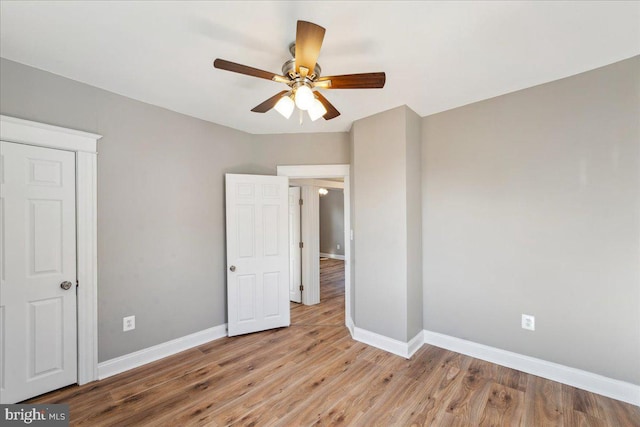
[437, 55]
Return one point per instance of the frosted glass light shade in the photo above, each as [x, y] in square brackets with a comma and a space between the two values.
[285, 106]
[317, 110]
[304, 98]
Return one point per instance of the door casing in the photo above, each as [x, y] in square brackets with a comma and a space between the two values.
[84, 144]
[295, 258]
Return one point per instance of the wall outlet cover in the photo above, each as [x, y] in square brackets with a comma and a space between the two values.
[528, 322]
[128, 323]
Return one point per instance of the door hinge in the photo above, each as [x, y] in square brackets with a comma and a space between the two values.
[301, 245]
[300, 202]
[301, 288]
[77, 284]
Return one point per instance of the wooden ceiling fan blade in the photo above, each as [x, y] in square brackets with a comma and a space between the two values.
[309, 37]
[269, 103]
[332, 112]
[354, 81]
[223, 64]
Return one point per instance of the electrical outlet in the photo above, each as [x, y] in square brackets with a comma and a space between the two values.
[128, 323]
[338, 245]
[528, 322]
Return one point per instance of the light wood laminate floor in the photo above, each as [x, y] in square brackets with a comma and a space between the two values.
[313, 373]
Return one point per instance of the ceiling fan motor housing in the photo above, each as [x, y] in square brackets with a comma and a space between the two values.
[289, 69]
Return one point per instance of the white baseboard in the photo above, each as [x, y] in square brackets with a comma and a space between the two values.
[615, 389]
[332, 256]
[350, 326]
[151, 354]
[415, 343]
[390, 345]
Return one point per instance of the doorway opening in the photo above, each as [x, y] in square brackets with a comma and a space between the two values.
[331, 211]
[315, 177]
[329, 242]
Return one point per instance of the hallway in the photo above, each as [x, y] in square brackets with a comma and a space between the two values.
[330, 311]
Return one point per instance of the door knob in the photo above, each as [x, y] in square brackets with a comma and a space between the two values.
[66, 285]
[232, 268]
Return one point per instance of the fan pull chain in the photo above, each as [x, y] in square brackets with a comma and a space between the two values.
[301, 116]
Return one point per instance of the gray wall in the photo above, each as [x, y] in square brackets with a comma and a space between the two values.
[380, 225]
[161, 249]
[298, 149]
[532, 205]
[351, 243]
[332, 222]
[387, 223]
[414, 223]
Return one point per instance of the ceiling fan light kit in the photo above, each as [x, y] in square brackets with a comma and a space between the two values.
[285, 106]
[302, 75]
[304, 97]
[316, 110]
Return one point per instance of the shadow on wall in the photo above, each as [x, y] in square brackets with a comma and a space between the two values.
[250, 168]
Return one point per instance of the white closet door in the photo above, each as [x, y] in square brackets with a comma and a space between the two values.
[38, 343]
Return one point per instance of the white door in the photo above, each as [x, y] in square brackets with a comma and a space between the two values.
[295, 252]
[257, 253]
[38, 240]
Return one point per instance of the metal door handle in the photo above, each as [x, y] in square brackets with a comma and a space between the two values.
[66, 285]
[232, 268]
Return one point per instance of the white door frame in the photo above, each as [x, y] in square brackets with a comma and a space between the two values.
[330, 171]
[295, 258]
[84, 145]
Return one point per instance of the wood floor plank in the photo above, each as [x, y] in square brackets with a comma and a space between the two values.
[318, 405]
[414, 403]
[511, 378]
[322, 373]
[468, 404]
[544, 403]
[436, 393]
[369, 398]
[425, 363]
[586, 402]
[504, 407]
[621, 414]
[394, 406]
[217, 376]
[582, 407]
[314, 373]
[580, 419]
[186, 361]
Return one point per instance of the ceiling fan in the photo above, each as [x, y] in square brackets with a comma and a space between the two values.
[302, 75]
